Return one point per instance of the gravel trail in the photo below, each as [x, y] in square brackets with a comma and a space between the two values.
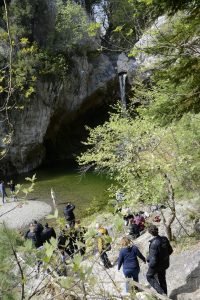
[19, 214]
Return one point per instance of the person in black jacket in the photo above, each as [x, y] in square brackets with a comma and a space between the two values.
[38, 233]
[158, 259]
[134, 230]
[47, 233]
[69, 214]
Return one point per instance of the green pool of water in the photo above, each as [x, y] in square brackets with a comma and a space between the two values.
[69, 186]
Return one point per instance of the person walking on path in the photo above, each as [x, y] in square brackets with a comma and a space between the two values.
[12, 185]
[47, 233]
[103, 245]
[3, 191]
[128, 257]
[38, 233]
[69, 214]
[30, 234]
[158, 259]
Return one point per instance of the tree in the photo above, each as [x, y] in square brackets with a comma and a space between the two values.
[148, 162]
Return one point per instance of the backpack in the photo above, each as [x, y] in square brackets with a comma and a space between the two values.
[165, 250]
[165, 247]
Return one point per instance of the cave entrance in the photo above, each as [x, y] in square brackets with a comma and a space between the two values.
[66, 131]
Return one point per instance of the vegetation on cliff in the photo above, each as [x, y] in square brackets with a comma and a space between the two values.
[151, 150]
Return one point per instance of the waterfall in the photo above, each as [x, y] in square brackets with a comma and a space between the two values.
[122, 84]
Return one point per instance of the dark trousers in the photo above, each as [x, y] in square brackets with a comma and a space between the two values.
[105, 259]
[71, 223]
[157, 279]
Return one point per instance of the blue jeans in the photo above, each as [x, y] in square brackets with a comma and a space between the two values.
[132, 273]
[3, 195]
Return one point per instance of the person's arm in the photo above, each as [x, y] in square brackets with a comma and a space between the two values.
[120, 260]
[139, 254]
[71, 208]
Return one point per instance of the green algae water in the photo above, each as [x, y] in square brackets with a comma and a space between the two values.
[69, 186]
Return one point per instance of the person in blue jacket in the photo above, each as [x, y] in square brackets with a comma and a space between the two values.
[128, 257]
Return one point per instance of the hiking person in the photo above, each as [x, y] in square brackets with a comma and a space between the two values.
[71, 247]
[30, 234]
[134, 230]
[12, 185]
[103, 246]
[158, 259]
[140, 221]
[128, 257]
[47, 233]
[69, 214]
[127, 215]
[62, 238]
[3, 191]
[38, 232]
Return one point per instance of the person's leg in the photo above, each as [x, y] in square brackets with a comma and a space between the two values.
[72, 223]
[105, 260]
[162, 280]
[135, 276]
[128, 275]
[151, 273]
[3, 198]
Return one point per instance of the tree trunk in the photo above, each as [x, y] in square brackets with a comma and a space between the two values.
[169, 232]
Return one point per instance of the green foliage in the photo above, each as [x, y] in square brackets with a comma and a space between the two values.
[8, 279]
[137, 153]
[126, 22]
[96, 205]
[24, 74]
[72, 25]
[163, 138]
[22, 14]
[175, 82]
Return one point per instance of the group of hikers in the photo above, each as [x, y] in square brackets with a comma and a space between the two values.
[3, 192]
[39, 234]
[66, 240]
[71, 240]
[158, 260]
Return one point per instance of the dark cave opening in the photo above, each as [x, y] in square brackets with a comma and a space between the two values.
[67, 131]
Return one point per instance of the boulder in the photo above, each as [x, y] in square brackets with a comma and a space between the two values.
[189, 296]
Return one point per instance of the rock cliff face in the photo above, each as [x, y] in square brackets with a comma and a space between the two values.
[59, 107]
[51, 126]
[90, 83]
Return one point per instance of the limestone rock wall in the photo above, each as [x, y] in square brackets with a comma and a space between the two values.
[85, 86]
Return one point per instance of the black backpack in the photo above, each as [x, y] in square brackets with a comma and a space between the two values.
[165, 250]
[165, 247]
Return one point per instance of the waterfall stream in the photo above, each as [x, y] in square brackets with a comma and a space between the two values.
[122, 84]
